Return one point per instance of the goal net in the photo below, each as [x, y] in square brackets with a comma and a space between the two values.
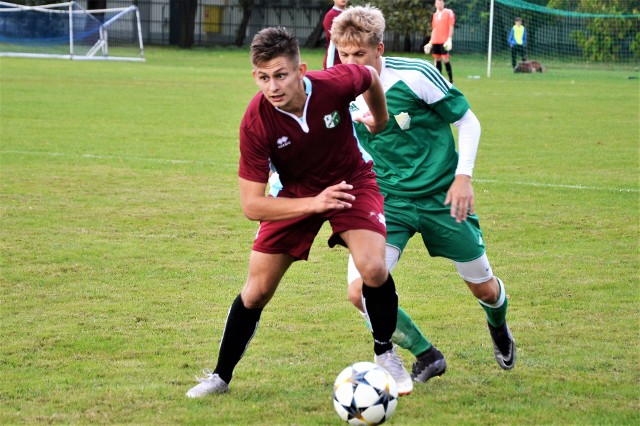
[66, 30]
[563, 36]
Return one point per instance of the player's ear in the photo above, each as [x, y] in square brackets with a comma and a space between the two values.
[380, 49]
[302, 69]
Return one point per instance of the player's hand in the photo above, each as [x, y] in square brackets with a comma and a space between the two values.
[372, 125]
[427, 48]
[333, 198]
[461, 198]
[448, 45]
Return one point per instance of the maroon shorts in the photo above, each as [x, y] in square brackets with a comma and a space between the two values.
[295, 236]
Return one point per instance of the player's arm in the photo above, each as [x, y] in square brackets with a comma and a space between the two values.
[448, 44]
[377, 103]
[427, 47]
[460, 194]
[257, 206]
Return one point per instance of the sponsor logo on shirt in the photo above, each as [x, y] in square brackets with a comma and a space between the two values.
[283, 142]
[355, 111]
[332, 120]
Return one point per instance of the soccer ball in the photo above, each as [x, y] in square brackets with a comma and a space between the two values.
[365, 394]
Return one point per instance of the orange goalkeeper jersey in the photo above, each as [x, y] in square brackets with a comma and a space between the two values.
[441, 23]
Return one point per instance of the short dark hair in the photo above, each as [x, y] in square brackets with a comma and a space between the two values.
[518, 19]
[271, 43]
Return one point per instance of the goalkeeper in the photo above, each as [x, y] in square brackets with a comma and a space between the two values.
[440, 43]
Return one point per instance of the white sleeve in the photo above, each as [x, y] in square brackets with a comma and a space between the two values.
[331, 54]
[468, 141]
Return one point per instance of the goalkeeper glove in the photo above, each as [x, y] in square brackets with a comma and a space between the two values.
[448, 45]
[427, 48]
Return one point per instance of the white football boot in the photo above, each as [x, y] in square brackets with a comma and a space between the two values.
[210, 384]
[391, 362]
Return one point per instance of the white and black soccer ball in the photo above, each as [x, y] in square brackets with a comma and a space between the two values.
[365, 394]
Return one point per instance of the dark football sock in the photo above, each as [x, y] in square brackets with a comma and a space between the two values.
[241, 326]
[449, 71]
[381, 304]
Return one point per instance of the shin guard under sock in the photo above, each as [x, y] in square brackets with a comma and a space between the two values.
[241, 326]
[408, 335]
[381, 305]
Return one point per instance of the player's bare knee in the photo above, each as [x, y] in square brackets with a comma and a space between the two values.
[488, 291]
[354, 294]
[374, 273]
[255, 297]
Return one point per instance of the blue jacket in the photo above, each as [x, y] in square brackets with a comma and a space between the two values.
[512, 40]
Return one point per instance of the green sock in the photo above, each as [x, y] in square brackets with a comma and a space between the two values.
[497, 312]
[408, 335]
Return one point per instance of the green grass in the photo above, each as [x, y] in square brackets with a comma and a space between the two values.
[123, 244]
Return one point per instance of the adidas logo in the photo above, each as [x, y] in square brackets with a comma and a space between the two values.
[283, 142]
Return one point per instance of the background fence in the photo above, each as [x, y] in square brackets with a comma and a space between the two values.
[551, 33]
[217, 23]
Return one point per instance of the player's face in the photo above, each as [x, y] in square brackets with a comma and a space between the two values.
[439, 4]
[361, 54]
[341, 4]
[280, 81]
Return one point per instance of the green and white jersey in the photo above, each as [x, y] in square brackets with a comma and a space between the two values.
[415, 155]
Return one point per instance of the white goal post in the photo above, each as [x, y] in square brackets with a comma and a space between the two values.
[67, 30]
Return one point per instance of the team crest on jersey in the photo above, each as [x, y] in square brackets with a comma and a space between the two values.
[332, 120]
[404, 120]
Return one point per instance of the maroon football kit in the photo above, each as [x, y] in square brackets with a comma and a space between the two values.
[310, 153]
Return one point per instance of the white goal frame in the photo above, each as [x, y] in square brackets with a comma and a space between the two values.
[100, 50]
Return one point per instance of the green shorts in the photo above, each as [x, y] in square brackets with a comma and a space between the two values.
[442, 235]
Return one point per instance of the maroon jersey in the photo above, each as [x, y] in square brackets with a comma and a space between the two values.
[312, 152]
[326, 24]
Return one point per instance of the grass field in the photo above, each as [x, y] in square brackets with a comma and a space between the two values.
[123, 244]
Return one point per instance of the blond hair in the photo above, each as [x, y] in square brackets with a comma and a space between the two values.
[359, 25]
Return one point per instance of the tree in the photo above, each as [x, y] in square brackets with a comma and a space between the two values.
[247, 10]
[607, 39]
[316, 35]
[403, 18]
[612, 7]
[187, 22]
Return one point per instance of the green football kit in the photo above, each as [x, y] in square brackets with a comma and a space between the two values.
[415, 159]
